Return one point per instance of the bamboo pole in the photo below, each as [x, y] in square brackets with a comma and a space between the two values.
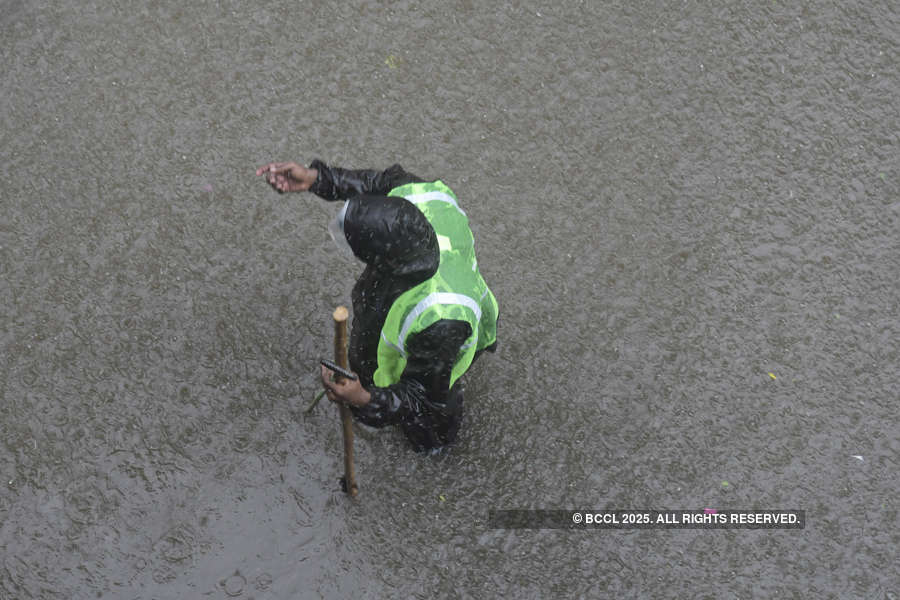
[348, 481]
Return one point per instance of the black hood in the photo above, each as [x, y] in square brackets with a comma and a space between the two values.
[392, 236]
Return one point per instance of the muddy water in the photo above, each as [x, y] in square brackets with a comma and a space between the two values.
[688, 214]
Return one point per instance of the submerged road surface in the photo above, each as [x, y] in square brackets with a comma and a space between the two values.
[688, 214]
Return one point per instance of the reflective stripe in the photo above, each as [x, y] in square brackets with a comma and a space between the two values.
[429, 301]
[470, 344]
[444, 243]
[393, 345]
[429, 196]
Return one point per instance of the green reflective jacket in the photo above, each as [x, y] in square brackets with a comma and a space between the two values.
[456, 291]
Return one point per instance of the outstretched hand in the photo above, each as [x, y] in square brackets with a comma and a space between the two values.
[288, 176]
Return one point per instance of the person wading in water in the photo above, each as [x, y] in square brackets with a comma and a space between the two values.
[422, 313]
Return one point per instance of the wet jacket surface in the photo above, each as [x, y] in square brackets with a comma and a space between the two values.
[400, 250]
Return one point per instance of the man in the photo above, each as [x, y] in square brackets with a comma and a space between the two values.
[422, 314]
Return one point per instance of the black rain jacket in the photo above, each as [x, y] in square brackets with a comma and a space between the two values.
[399, 247]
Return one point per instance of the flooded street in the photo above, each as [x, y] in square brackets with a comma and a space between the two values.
[688, 215]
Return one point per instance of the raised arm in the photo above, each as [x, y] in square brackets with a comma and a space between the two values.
[333, 183]
[336, 183]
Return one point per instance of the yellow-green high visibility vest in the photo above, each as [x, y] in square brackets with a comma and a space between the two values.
[456, 290]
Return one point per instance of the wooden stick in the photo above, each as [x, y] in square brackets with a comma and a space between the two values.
[348, 482]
